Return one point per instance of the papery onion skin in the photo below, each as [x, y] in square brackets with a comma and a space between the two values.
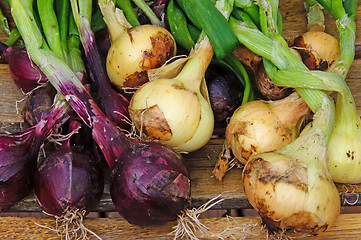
[256, 127]
[318, 50]
[151, 185]
[136, 51]
[289, 195]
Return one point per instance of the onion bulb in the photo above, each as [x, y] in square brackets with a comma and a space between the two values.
[318, 50]
[291, 188]
[133, 51]
[174, 111]
[260, 126]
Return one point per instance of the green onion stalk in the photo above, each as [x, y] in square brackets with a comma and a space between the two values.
[142, 5]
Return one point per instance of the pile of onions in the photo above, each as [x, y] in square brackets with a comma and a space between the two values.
[174, 111]
[19, 154]
[149, 45]
[260, 126]
[165, 182]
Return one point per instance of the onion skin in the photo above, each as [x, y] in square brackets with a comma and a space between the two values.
[68, 179]
[150, 47]
[318, 50]
[23, 71]
[260, 126]
[18, 158]
[151, 185]
[290, 196]
[225, 95]
[267, 88]
[38, 104]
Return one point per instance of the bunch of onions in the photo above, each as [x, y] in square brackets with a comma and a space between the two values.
[174, 111]
[118, 149]
[260, 126]
[135, 50]
[19, 154]
[23, 71]
[69, 183]
[291, 188]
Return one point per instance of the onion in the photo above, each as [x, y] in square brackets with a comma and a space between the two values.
[38, 104]
[291, 188]
[174, 111]
[24, 72]
[18, 157]
[318, 50]
[225, 94]
[149, 46]
[114, 144]
[151, 184]
[267, 88]
[260, 126]
[69, 183]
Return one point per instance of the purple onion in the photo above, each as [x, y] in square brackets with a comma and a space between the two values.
[150, 185]
[38, 104]
[18, 157]
[23, 71]
[69, 180]
[225, 94]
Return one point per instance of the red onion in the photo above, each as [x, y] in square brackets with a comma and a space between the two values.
[25, 73]
[151, 184]
[69, 180]
[225, 95]
[18, 157]
[38, 104]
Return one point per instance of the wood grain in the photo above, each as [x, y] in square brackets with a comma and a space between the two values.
[347, 226]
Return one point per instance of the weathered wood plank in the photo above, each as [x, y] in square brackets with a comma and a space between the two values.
[347, 226]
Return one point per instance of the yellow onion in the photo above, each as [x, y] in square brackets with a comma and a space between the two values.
[134, 51]
[291, 188]
[260, 126]
[174, 111]
[318, 50]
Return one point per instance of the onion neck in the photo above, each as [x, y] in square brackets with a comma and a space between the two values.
[312, 143]
[289, 109]
[193, 71]
[111, 16]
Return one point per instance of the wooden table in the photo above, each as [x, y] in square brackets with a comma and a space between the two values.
[200, 163]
